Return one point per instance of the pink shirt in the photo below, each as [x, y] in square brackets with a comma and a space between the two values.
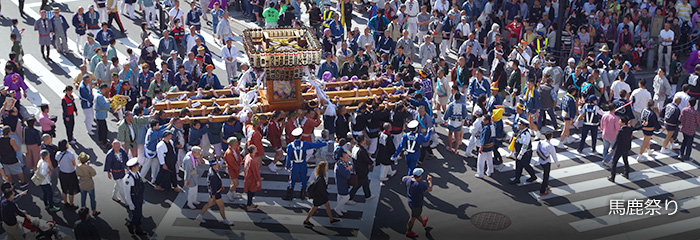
[690, 120]
[45, 122]
[609, 125]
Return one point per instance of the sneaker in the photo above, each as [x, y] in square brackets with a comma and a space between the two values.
[639, 158]
[200, 218]
[370, 197]
[335, 220]
[478, 176]
[411, 234]
[226, 222]
[308, 224]
[351, 202]
[561, 145]
[665, 151]
[272, 167]
[675, 146]
[340, 214]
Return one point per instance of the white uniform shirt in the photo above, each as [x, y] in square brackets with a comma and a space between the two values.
[666, 35]
[685, 98]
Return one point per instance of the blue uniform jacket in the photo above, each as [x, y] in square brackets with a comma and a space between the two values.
[533, 102]
[493, 101]
[331, 67]
[214, 131]
[64, 22]
[475, 89]
[412, 136]
[76, 23]
[112, 163]
[85, 95]
[153, 137]
[297, 144]
[342, 176]
[195, 137]
[210, 79]
[101, 107]
[487, 141]
[163, 49]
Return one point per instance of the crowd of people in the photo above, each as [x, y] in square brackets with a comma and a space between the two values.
[507, 71]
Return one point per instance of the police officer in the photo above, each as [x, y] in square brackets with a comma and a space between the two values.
[590, 113]
[523, 148]
[115, 166]
[134, 186]
[296, 153]
[411, 143]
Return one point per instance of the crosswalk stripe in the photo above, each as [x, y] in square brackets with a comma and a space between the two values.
[643, 193]
[277, 202]
[283, 219]
[579, 187]
[65, 64]
[33, 95]
[659, 231]
[233, 233]
[38, 4]
[45, 75]
[611, 220]
[272, 185]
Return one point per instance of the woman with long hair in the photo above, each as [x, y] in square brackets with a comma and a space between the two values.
[319, 192]
[67, 175]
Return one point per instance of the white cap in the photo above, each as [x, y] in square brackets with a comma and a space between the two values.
[132, 162]
[412, 124]
[572, 60]
[418, 172]
[297, 132]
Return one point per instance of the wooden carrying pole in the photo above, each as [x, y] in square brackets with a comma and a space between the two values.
[229, 91]
[345, 95]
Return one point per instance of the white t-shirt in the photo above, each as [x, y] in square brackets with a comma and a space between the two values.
[666, 35]
[618, 86]
[177, 13]
[685, 98]
[641, 98]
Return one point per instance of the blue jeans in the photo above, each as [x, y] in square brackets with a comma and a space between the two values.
[83, 196]
[46, 196]
[606, 146]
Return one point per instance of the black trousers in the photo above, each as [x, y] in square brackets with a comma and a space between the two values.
[250, 198]
[362, 182]
[686, 146]
[545, 177]
[115, 16]
[524, 163]
[136, 214]
[167, 178]
[102, 131]
[70, 125]
[584, 133]
[424, 151]
[624, 154]
[497, 158]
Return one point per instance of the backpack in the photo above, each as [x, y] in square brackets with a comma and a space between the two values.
[311, 189]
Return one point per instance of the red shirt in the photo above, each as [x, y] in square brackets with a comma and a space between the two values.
[288, 128]
[252, 175]
[233, 161]
[254, 138]
[516, 30]
[308, 128]
[68, 105]
[690, 120]
[274, 135]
